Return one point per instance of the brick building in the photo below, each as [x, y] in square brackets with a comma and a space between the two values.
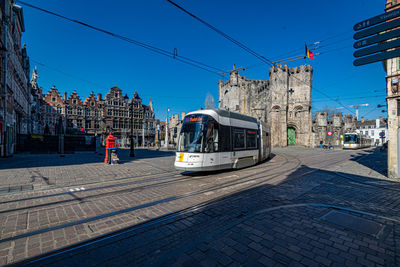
[97, 116]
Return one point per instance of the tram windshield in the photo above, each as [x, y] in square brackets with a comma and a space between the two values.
[351, 139]
[199, 133]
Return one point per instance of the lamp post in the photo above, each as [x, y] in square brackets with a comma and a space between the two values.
[166, 131]
[132, 147]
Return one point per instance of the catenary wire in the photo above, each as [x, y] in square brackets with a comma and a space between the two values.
[241, 45]
[157, 50]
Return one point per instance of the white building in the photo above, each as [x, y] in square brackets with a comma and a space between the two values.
[376, 129]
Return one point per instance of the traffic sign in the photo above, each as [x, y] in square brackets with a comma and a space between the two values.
[377, 57]
[382, 134]
[377, 48]
[377, 19]
[377, 38]
[329, 134]
[377, 29]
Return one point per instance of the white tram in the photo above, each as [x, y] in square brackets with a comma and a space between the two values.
[216, 139]
[356, 140]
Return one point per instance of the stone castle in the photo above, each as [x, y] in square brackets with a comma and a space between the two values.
[336, 123]
[283, 101]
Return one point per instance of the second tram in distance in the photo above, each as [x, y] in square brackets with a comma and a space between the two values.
[216, 139]
[356, 140]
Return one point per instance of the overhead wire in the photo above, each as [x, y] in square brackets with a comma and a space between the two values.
[154, 49]
[241, 45]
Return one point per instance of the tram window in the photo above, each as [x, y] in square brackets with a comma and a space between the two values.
[238, 139]
[211, 144]
[224, 140]
[251, 139]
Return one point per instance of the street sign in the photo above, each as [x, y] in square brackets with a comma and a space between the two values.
[377, 57]
[377, 29]
[377, 38]
[377, 19]
[377, 48]
[329, 134]
[382, 134]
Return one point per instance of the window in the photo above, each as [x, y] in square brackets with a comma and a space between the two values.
[69, 110]
[398, 107]
[79, 111]
[109, 112]
[238, 139]
[59, 110]
[74, 101]
[251, 139]
[53, 99]
[88, 124]
[372, 132]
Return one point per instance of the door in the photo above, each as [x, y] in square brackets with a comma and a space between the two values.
[291, 136]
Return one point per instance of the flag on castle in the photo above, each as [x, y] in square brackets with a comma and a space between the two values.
[309, 53]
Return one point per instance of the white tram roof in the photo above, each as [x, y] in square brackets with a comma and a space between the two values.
[229, 118]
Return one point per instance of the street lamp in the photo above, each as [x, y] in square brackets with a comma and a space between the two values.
[166, 131]
[132, 148]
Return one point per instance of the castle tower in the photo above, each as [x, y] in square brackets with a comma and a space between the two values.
[278, 96]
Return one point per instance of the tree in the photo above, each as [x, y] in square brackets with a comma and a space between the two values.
[209, 103]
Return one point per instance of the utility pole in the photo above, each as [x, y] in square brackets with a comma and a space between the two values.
[132, 147]
[166, 131]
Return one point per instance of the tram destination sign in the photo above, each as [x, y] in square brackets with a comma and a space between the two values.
[372, 37]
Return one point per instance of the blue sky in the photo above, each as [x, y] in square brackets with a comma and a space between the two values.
[73, 57]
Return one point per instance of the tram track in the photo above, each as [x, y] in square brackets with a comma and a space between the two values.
[130, 231]
[75, 198]
[170, 199]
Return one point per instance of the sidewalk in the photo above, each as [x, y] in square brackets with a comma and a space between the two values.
[25, 171]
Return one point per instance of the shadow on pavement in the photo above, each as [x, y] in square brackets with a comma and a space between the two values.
[249, 225]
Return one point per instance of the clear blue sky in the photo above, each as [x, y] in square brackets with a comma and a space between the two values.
[77, 58]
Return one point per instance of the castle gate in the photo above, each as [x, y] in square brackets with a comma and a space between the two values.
[291, 136]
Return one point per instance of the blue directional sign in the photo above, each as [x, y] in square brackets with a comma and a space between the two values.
[377, 19]
[377, 47]
[377, 29]
[377, 38]
[377, 57]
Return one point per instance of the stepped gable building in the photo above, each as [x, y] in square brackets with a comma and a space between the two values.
[98, 116]
[283, 101]
[52, 108]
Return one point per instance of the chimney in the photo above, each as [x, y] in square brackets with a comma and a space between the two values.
[65, 96]
[377, 123]
[98, 97]
[362, 119]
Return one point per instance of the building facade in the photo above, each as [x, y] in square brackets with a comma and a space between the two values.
[15, 88]
[392, 67]
[376, 129]
[94, 115]
[283, 101]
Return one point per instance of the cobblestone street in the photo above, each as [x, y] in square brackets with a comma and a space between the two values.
[302, 207]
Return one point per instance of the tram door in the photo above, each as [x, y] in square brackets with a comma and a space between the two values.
[291, 136]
